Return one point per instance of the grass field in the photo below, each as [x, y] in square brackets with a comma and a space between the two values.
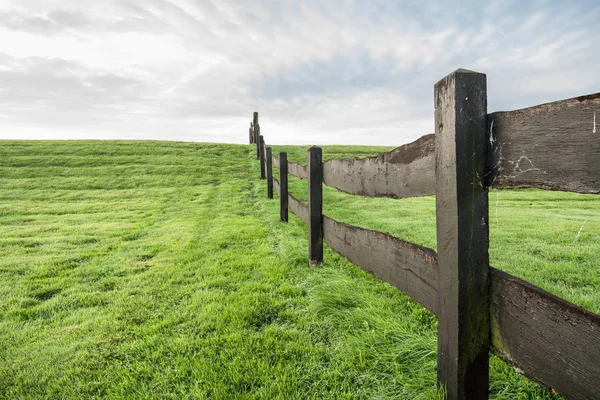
[159, 270]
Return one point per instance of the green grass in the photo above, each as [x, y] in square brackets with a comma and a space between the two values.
[159, 270]
[551, 239]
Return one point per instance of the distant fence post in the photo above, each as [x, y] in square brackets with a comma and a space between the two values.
[283, 186]
[315, 206]
[261, 156]
[256, 130]
[269, 173]
[257, 139]
[462, 235]
[251, 133]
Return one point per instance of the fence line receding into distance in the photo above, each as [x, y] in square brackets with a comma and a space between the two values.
[479, 308]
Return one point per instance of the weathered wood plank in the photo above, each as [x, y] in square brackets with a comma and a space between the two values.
[462, 234]
[407, 171]
[276, 186]
[315, 206]
[409, 267]
[553, 342]
[275, 162]
[298, 208]
[298, 170]
[269, 161]
[283, 196]
[550, 146]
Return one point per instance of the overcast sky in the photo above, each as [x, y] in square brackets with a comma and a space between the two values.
[318, 72]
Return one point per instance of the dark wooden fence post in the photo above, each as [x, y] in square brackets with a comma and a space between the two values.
[261, 156]
[256, 130]
[315, 206]
[269, 161]
[257, 139]
[283, 186]
[462, 235]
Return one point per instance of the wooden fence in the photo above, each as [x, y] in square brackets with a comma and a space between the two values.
[479, 308]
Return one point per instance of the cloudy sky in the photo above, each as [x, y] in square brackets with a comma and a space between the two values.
[318, 72]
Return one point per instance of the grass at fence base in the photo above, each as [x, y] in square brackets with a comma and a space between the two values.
[549, 238]
[159, 270]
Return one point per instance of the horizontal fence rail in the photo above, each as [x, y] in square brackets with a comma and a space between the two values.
[298, 208]
[408, 171]
[528, 147]
[480, 309]
[550, 146]
[409, 267]
[298, 170]
[548, 339]
[276, 186]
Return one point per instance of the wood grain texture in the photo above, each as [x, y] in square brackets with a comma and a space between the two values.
[553, 342]
[462, 234]
[276, 186]
[298, 208]
[408, 171]
[550, 146]
[298, 170]
[409, 267]
[275, 162]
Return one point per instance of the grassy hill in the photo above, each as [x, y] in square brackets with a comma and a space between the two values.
[159, 270]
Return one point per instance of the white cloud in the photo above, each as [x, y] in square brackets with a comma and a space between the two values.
[317, 71]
